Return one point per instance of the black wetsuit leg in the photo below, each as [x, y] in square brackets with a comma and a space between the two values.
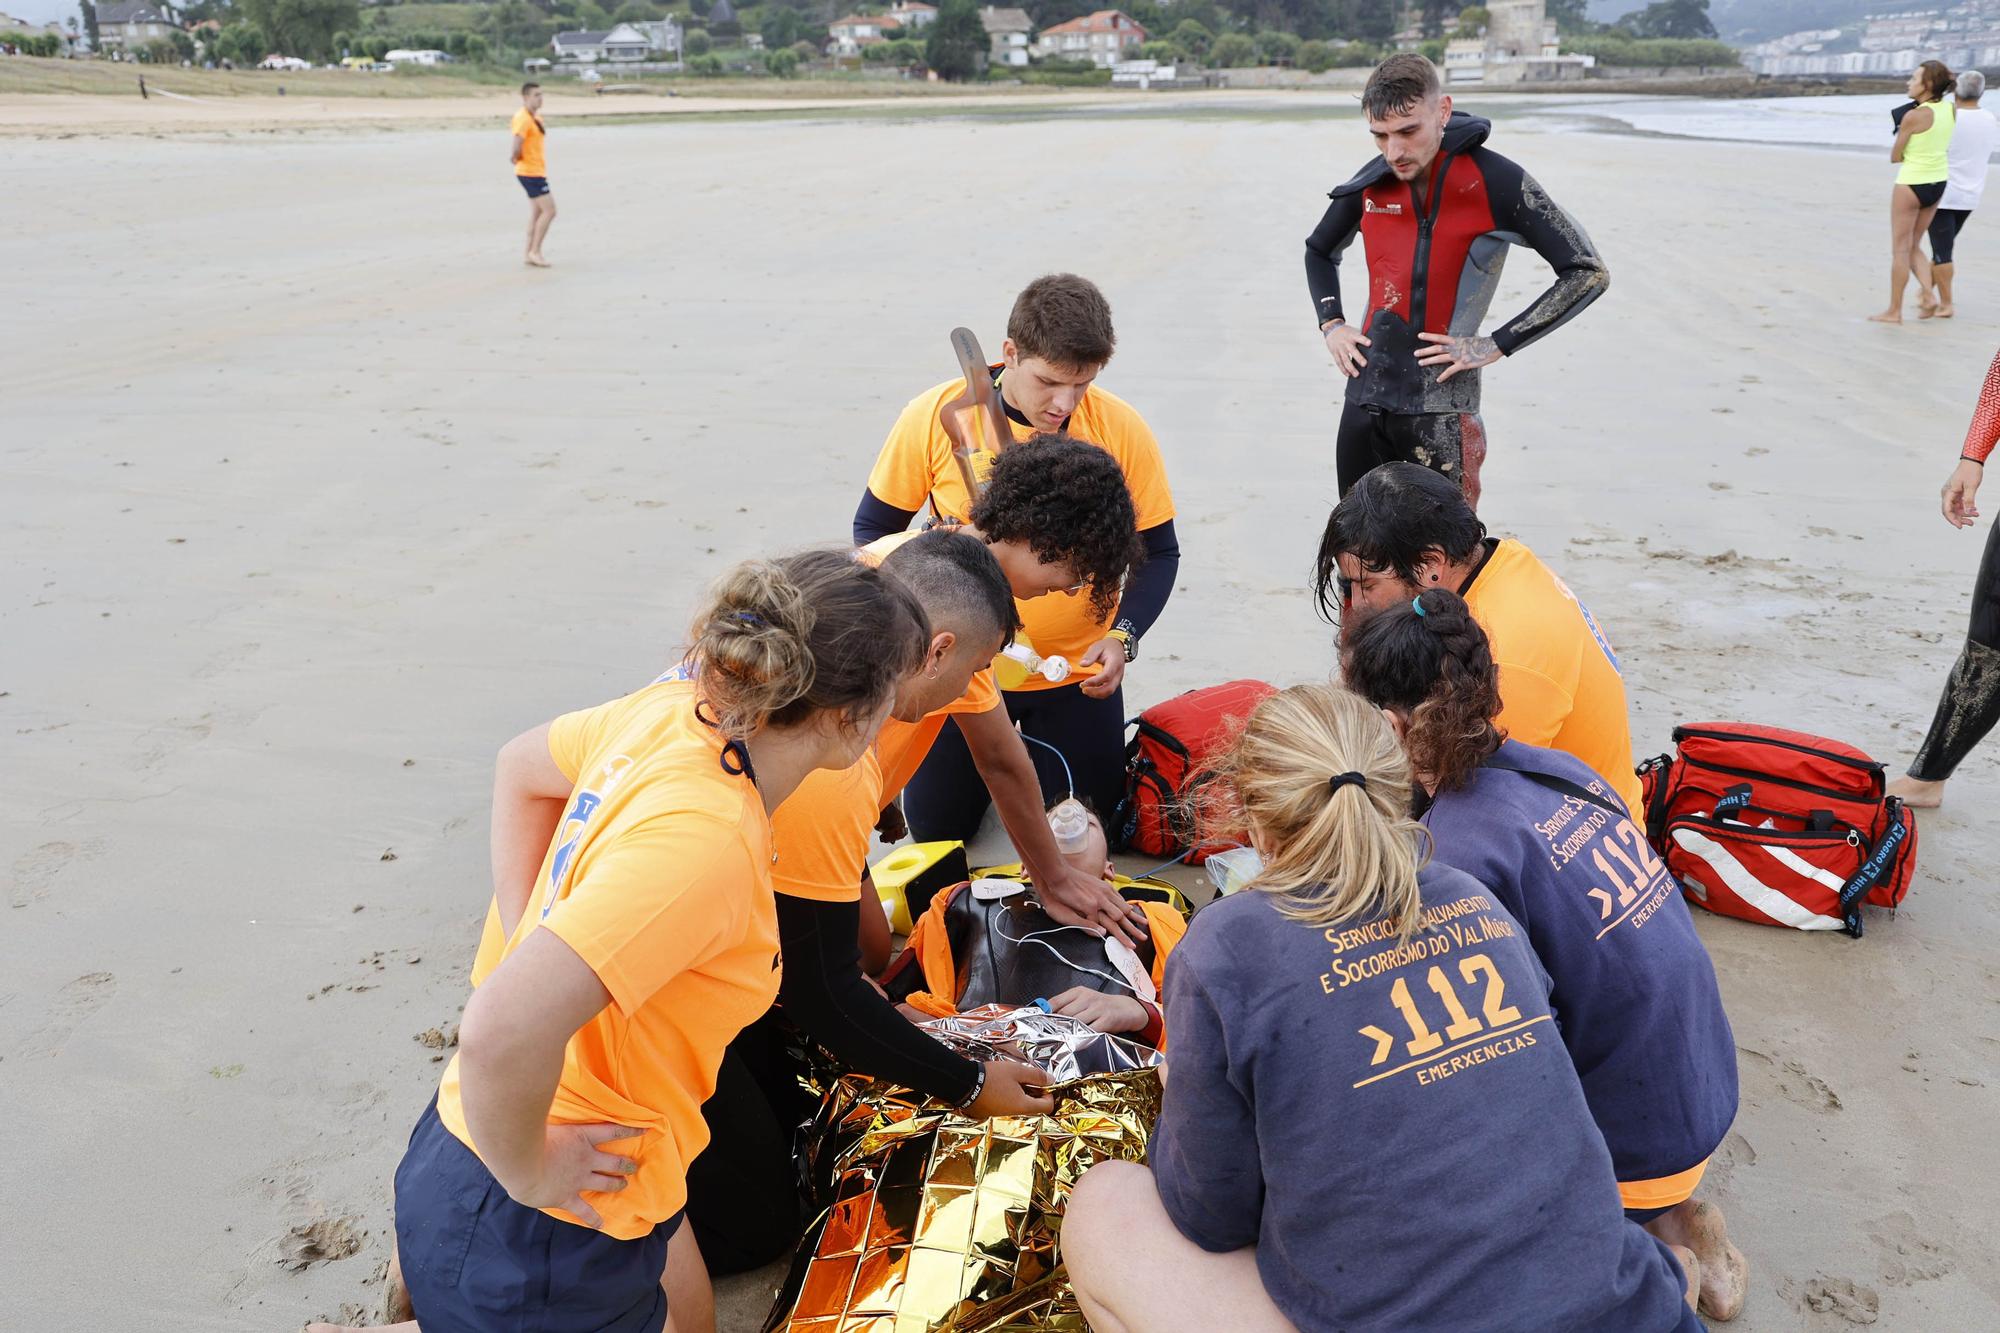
[1453, 443]
[1970, 704]
[947, 798]
[744, 1199]
[1360, 446]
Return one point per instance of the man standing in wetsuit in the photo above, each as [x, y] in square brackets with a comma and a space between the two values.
[1437, 210]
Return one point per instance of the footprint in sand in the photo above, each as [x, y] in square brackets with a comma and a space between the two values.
[1792, 1080]
[35, 870]
[1906, 1256]
[1735, 1153]
[321, 1242]
[1840, 1296]
[72, 1005]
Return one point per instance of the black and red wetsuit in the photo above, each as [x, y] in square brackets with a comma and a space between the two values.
[1970, 703]
[1433, 264]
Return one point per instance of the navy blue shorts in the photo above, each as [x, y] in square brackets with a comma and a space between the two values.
[477, 1262]
[536, 186]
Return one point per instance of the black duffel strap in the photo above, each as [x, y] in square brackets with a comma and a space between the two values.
[1878, 861]
[1556, 784]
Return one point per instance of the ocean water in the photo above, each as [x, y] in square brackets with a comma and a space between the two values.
[1858, 123]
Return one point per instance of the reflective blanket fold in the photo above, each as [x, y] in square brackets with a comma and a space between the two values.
[939, 1222]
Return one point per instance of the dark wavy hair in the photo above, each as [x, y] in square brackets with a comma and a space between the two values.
[1069, 502]
[1435, 668]
[1395, 515]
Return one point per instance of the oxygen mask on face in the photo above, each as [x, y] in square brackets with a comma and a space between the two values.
[1230, 870]
[1070, 822]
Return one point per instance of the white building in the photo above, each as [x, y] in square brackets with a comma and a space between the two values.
[425, 56]
[1520, 45]
[1101, 38]
[664, 35]
[1007, 33]
[623, 43]
[123, 28]
[852, 33]
[912, 14]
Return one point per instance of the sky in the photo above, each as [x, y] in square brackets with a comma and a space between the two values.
[40, 11]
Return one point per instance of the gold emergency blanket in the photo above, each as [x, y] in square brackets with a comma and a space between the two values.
[938, 1222]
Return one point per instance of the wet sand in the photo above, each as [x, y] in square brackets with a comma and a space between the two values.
[313, 496]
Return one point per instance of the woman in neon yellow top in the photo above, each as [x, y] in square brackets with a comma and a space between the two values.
[1922, 138]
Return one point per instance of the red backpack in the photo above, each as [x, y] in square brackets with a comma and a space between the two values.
[1170, 757]
[1778, 827]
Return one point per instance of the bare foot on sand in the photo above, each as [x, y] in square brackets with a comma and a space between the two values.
[1917, 794]
[1945, 312]
[1887, 317]
[1691, 1267]
[1926, 309]
[536, 261]
[1724, 1275]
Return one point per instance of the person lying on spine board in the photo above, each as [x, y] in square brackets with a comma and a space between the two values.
[990, 942]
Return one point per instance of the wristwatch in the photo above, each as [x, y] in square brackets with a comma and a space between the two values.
[1122, 632]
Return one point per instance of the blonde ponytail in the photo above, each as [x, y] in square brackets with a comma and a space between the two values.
[1318, 774]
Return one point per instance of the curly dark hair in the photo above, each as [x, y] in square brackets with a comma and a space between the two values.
[1435, 668]
[1069, 502]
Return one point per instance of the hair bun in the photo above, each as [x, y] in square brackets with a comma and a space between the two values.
[754, 645]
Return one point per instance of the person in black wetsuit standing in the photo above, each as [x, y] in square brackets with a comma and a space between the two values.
[1437, 211]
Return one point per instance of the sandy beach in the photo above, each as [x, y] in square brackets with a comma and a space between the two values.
[311, 496]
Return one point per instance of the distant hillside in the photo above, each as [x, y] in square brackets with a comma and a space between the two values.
[1746, 21]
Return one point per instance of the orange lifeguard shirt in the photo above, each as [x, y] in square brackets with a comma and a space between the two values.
[821, 832]
[1560, 683]
[529, 127]
[915, 467]
[659, 877]
[901, 746]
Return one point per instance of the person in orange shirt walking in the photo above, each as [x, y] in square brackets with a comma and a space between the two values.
[532, 170]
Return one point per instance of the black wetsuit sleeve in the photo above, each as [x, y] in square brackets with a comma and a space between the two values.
[875, 518]
[824, 994]
[1335, 232]
[1521, 207]
[1146, 592]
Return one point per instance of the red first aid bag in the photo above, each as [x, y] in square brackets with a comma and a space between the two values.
[1170, 756]
[1778, 827]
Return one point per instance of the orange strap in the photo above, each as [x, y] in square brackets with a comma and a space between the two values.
[932, 945]
[1664, 1192]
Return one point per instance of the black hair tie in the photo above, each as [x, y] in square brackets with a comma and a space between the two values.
[1339, 780]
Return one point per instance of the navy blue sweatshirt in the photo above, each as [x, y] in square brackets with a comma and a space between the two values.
[1634, 991]
[1396, 1129]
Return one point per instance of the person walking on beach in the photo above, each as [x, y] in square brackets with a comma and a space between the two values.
[1437, 210]
[531, 169]
[1923, 141]
[1973, 134]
